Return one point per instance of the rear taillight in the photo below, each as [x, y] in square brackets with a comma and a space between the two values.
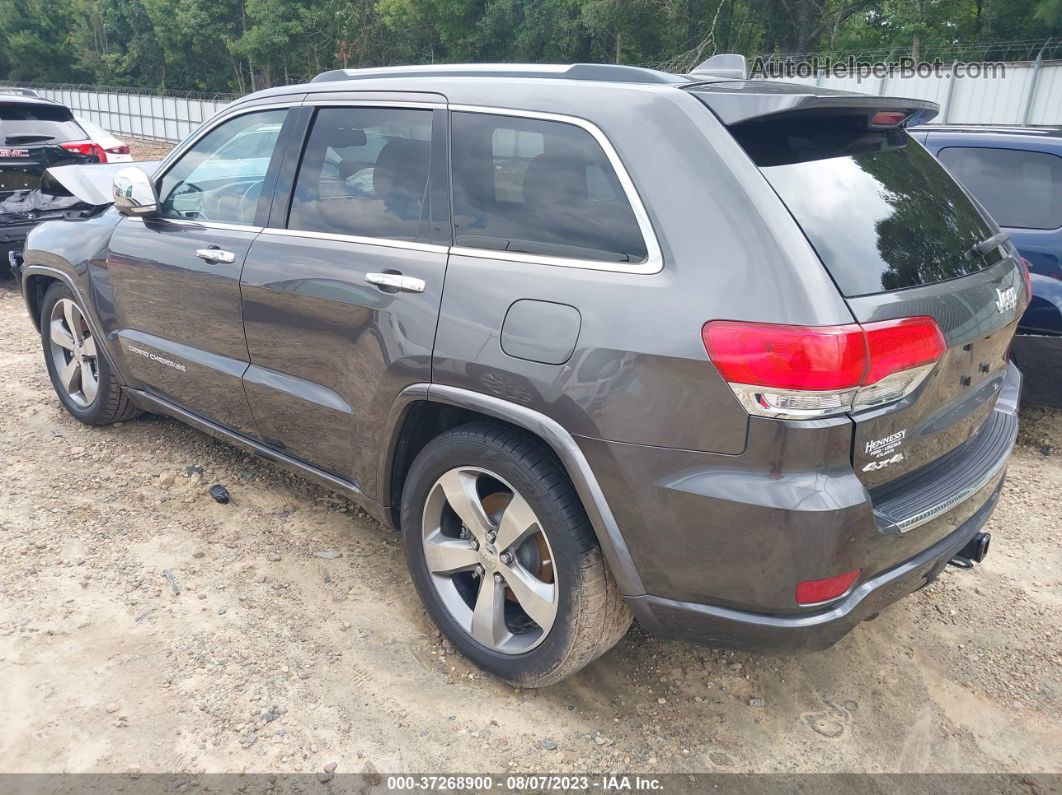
[799, 372]
[123, 149]
[1028, 278]
[86, 148]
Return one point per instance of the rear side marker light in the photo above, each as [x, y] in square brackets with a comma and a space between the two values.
[803, 372]
[814, 592]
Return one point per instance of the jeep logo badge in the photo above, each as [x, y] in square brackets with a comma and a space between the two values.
[1006, 300]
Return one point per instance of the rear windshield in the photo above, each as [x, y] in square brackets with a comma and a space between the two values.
[29, 123]
[880, 211]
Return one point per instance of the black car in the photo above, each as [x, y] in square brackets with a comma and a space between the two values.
[722, 355]
[36, 134]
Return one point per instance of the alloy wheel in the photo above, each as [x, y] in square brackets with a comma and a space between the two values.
[489, 560]
[74, 352]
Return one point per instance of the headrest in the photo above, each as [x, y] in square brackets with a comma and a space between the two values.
[402, 167]
[552, 178]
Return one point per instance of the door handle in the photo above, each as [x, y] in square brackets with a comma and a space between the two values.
[396, 281]
[215, 255]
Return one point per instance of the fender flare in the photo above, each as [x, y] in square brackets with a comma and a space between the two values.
[28, 271]
[552, 433]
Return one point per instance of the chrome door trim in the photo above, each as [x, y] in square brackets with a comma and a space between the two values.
[653, 263]
[192, 223]
[368, 241]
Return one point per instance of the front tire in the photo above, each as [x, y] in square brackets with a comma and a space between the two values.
[80, 373]
[504, 558]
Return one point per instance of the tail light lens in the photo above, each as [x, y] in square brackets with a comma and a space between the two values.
[86, 148]
[123, 149]
[1028, 278]
[814, 591]
[800, 372]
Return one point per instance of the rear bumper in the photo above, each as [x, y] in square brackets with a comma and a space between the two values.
[729, 628]
[721, 542]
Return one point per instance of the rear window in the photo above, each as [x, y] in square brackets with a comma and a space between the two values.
[880, 211]
[1020, 189]
[29, 123]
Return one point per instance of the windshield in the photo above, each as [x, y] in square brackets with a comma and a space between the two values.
[880, 211]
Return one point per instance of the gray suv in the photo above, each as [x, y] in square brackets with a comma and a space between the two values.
[729, 357]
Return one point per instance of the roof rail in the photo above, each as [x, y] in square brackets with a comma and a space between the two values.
[609, 73]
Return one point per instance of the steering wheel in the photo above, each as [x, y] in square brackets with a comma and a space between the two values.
[185, 189]
[247, 204]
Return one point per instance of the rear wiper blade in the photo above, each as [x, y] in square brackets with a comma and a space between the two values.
[27, 139]
[989, 244]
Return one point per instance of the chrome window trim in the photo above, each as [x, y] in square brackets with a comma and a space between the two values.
[385, 242]
[191, 222]
[654, 261]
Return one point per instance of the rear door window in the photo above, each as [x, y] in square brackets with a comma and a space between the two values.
[538, 187]
[1020, 189]
[364, 173]
[880, 211]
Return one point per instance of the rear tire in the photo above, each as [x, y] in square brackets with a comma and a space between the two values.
[527, 554]
[81, 375]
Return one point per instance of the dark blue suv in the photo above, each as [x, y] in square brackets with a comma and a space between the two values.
[1017, 175]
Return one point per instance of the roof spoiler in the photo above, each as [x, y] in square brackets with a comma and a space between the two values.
[727, 65]
[763, 100]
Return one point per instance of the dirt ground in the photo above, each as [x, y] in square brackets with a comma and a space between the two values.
[145, 627]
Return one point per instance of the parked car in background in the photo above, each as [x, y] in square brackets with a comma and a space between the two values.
[114, 149]
[1017, 175]
[725, 355]
[35, 135]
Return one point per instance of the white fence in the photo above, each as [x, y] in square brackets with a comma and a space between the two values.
[168, 117]
[1022, 94]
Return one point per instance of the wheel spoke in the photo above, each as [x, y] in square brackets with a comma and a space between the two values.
[89, 383]
[516, 523]
[60, 336]
[537, 598]
[88, 346]
[72, 317]
[488, 617]
[68, 376]
[445, 555]
[460, 490]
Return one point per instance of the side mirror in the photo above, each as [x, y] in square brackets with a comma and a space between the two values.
[134, 194]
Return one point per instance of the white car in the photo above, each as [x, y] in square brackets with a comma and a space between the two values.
[115, 150]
